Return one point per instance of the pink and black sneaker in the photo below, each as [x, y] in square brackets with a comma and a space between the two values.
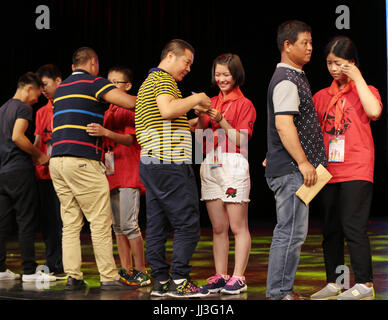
[235, 286]
[216, 283]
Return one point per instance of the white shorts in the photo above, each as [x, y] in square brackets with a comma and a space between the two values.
[229, 182]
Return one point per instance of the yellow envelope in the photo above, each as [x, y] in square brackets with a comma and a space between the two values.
[306, 194]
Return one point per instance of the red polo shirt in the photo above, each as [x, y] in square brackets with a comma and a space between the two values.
[126, 159]
[240, 114]
[44, 127]
[355, 126]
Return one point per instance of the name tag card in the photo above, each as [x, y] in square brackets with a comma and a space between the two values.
[337, 148]
[110, 163]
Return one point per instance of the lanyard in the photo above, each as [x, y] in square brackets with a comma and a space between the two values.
[223, 112]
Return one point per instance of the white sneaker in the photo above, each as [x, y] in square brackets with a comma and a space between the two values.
[38, 276]
[358, 292]
[9, 275]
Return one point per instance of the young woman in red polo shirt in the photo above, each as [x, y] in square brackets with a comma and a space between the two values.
[225, 180]
[345, 110]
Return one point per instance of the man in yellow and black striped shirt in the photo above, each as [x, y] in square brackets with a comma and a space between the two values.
[162, 127]
[163, 133]
[160, 138]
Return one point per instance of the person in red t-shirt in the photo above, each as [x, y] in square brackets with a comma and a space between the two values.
[122, 159]
[225, 179]
[50, 212]
[345, 110]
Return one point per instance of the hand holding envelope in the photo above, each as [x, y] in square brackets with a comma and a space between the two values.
[200, 108]
[306, 194]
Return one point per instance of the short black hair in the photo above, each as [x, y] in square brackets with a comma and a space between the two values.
[29, 78]
[128, 74]
[177, 46]
[342, 47]
[50, 71]
[82, 55]
[289, 30]
[234, 64]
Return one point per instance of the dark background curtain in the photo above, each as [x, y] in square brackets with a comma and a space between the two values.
[133, 33]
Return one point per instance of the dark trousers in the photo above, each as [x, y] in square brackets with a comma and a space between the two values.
[172, 204]
[19, 197]
[51, 224]
[346, 207]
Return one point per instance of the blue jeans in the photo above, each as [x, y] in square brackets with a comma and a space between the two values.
[288, 236]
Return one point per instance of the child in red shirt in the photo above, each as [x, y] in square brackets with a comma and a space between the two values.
[50, 213]
[122, 159]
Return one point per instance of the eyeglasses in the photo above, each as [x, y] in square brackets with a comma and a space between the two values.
[117, 82]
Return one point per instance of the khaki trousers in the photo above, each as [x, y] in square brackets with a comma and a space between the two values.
[83, 189]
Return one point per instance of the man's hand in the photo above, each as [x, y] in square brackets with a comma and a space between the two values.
[172, 108]
[204, 101]
[309, 173]
[96, 130]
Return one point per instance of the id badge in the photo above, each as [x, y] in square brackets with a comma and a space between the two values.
[49, 148]
[109, 163]
[216, 163]
[337, 148]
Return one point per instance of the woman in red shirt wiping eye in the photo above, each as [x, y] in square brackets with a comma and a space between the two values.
[345, 110]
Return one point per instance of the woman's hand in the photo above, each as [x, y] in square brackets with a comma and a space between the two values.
[369, 102]
[214, 114]
[351, 70]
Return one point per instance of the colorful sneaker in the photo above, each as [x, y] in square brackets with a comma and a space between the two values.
[142, 279]
[215, 283]
[127, 278]
[358, 292]
[235, 286]
[9, 275]
[186, 289]
[160, 289]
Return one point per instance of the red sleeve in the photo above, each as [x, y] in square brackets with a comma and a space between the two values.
[39, 127]
[130, 130]
[206, 120]
[246, 117]
[377, 95]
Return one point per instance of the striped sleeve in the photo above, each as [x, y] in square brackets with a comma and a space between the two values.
[102, 86]
[165, 85]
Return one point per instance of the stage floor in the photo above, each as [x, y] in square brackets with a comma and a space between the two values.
[310, 275]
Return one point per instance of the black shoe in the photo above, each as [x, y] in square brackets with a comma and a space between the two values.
[74, 284]
[116, 285]
[159, 289]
